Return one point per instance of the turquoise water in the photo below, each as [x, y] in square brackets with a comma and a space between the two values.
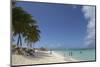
[78, 54]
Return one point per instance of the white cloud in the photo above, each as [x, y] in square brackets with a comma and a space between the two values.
[89, 14]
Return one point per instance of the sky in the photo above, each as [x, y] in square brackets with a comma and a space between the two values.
[62, 26]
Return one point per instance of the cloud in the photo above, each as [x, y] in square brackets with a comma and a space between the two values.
[89, 14]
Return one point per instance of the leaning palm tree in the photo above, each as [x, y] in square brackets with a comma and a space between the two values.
[32, 35]
[21, 20]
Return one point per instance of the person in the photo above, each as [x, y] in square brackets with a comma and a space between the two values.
[50, 51]
[80, 52]
[64, 54]
[71, 53]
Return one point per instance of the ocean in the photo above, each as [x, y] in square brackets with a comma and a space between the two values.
[78, 54]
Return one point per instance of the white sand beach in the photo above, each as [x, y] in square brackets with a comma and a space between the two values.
[41, 57]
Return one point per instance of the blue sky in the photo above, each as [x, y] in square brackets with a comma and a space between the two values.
[60, 25]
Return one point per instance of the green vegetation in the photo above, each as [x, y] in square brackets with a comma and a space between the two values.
[23, 25]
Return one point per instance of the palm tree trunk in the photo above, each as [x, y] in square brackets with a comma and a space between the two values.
[30, 45]
[18, 40]
[33, 45]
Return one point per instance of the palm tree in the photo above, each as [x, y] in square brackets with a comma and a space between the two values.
[32, 35]
[21, 23]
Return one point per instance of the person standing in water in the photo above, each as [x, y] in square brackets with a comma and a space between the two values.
[80, 52]
[50, 51]
[71, 53]
[64, 54]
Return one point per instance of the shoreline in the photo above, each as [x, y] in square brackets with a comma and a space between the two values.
[67, 58]
[42, 57]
